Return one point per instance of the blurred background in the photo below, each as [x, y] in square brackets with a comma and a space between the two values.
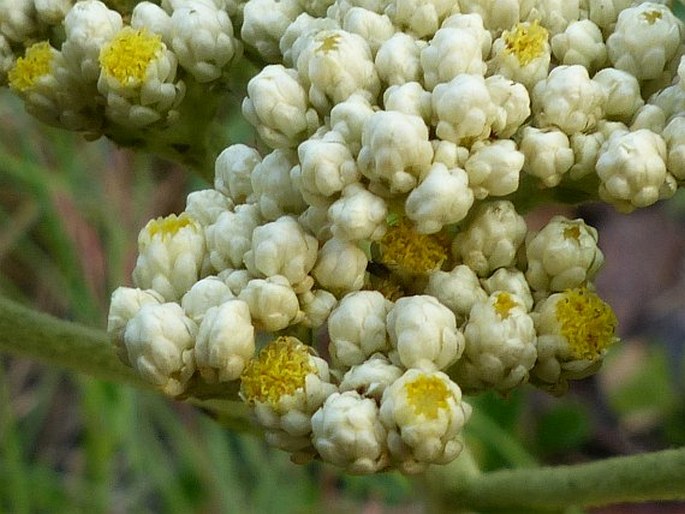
[70, 212]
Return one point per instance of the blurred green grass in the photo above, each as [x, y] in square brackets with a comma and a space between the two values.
[70, 212]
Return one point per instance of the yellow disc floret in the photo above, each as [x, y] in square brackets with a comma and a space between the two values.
[329, 44]
[572, 232]
[587, 323]
[279, 370]
[405, 249]
[168, 226]
[128, 56]
[526, 41]
[503, 304]
[36, 63]
[652, 16]
[426, 395]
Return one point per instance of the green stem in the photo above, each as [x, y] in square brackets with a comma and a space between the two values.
[440, 479]
[29, 333]
[70, 345]
[638, 478]
[185, 141]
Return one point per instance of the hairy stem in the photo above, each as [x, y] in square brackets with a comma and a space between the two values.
[29, 333]
[637, 478]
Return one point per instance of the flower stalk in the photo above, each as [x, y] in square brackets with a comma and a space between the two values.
[636, 478]
[28, 333]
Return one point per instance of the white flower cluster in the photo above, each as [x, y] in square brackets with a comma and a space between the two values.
[411, 319]
[380, 226]
[105, 75]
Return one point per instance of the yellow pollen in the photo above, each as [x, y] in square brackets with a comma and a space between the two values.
[526, 41]
[587, 323]
[503, 305]
[652, 16]
[36, 63]
[572, 232]
[169, 226]
[426, 395]
[128, 56]
[279, 370]
[329, 43]
[403, 248]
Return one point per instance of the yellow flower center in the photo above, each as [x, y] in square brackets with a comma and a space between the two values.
[426, 395]
[404, 249]
[36, 63]
[279, 370]
[572, 232]
[587, 323]
[503, 304]
[169, 226]
[128, 55]
[329, 44]
[526, 41]
[652, 16]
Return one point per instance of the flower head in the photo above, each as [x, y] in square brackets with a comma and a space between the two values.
[457, 289]
[138, 79]
[27, 70]
[202, 38]
[500, 345]
[526, 41]
[443, 197]
[340, 267]
[371, 377]
[280, 369]
[171, 251]
[563, 255]
[645, 39]
[503, 304]
[346, 432]
[492, 237]
[356, 327]
[128, 56]
[405, 249]
[284, 385]
[88, 27]
[159, 341]
[426, 395]
[125, 304]
[423, 333]
[587, 323]
[575, 328]
[423, 414]
[522, 54]
[225, 341]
